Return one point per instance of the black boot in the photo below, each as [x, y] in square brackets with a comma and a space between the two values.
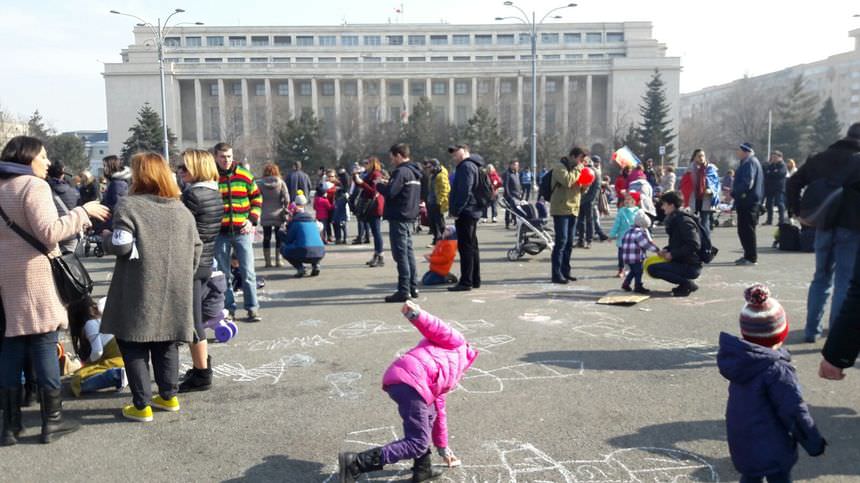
[422, 470]
[29, 394]
[53, 426]
[353, 465]
[198, 379]
[12, 428]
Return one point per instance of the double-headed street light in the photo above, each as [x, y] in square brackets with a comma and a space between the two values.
[160, 31]
[532, 23]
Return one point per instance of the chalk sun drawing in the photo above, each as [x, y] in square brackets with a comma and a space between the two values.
[344, 385]
[480, 381]
[272, 371]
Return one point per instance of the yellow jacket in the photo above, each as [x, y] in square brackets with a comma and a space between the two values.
[442, 187]
[565, 192]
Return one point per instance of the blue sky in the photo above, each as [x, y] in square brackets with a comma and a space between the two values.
[53, 50]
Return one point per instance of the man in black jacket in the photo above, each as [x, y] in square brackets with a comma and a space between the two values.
[682, 264]
[513, 190]
[775, 174]
[298, 180]
[836, 246]
[465, 209]
[843, 343]
[402, 197]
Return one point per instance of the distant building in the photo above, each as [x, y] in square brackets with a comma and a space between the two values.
[237, 83]
[96, 146]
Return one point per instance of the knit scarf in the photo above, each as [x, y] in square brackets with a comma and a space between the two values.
[701, 183]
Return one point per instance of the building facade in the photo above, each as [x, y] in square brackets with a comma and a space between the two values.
[239, 83]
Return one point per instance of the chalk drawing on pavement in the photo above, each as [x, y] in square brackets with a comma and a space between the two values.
[285, 343]
[629, 333]
[344, 385]
[481, 381]
[541, 316]
[365, 328]
[484, 344]
[271, 372]
[310, 323]
[470, 326]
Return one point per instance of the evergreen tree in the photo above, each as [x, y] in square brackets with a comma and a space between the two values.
[549, 151]
[302, 140]
[427, 135]
[484, 136]
[793, 120]
[147, 135]
[827, 128]
[69, 149]
[631, 140]
[36, 127]
[654, 131]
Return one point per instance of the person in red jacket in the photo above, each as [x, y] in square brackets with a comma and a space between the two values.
[441, 259]
[496, 181]
[621, 186]
[322, 207]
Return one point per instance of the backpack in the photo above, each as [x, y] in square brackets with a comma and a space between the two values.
[545, 187]
[788, 238]
[820, 203]
[707, 250]
[483, 190]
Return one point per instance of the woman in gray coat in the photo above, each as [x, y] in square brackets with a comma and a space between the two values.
[150, 302]
[276, 200]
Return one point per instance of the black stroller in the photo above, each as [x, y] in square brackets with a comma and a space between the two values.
[533, 234]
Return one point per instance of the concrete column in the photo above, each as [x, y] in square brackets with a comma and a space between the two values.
[542, 105]
[588, 108]
[246, 112]
[315, 100]
[519, 133]
[176, 112]
[291, 97]
[474, 95]
[383, 100]
[222, 111]
[405, 107]
[270, 128]
[359, 100]
[565, 106]
[198, 111]
[497, 97]
[428, 88]
[452, 118]
[337, 110]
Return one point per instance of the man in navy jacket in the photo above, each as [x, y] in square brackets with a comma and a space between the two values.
[464, 207]
[748, 192]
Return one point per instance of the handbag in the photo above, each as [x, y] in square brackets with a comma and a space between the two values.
[70, 276]
[366, 207]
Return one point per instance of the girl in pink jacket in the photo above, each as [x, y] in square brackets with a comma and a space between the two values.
[418, 382]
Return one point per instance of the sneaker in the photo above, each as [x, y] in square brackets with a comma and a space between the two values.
[642, 290]
[253, 316]
[560, 281]
[141, 415]
[743, 261]
[397, 297]
[315, 271]
[570, 277]
[171, 404]
[681, 291]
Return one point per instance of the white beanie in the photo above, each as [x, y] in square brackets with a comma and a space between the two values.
[641, 219]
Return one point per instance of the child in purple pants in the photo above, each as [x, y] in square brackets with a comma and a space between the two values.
[418, 382]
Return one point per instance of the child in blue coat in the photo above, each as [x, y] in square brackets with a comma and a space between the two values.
[623, 222]
[765, 416]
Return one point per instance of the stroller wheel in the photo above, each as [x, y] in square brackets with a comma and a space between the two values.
[514, 254]
[98, 251]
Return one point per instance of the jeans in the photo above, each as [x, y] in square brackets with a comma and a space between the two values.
[527, 192]
[585, 223]
[492, 208]
[40, 349]
[243, 245]
[165, 368]
[597, 229]
[109, 378]
[634, 274]
[565, 232]
[470, 253]
[674, 272]
[835, 254]
[400, 235]
[777, 199]
[327, 231]
[418, 418]
[437, 221]
[706, 217]
[340, 233]
[375, 223]
[747, 221]
[433, 278]
[771, 478]
[620, 259]
[363, 230]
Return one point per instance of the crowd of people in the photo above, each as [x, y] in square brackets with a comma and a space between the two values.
[215, 206]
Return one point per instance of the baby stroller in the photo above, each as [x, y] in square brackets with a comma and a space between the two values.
[92, 244]
[533, 234]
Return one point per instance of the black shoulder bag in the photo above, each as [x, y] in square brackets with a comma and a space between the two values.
[70, 276]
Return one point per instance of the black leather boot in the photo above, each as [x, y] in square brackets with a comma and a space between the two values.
[352, 465]
[29, 394]
[53, 426]
[198, 379]
[423, 470]
[12, 428]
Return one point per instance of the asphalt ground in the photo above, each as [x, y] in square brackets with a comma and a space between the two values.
[564, 390]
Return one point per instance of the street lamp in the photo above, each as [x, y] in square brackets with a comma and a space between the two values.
[533, 25]
[159, 31]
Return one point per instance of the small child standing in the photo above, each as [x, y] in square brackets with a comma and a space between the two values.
[765, 415]
[623, 222]
[340, 216]
[634, 245]
[103, 364]
[323, 208]
[418, 382]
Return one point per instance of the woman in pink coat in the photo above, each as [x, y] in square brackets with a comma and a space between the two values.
[418, 382]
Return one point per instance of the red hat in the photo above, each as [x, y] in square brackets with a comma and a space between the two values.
[635, 195]
[762, 319]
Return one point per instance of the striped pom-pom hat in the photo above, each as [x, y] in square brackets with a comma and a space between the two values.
[762, 319]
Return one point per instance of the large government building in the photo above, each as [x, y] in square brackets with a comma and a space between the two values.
[240, 83]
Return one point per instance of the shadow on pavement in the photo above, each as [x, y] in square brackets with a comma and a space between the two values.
[282, 468]
[627, 360]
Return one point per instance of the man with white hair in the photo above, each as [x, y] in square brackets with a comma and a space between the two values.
[748, 193]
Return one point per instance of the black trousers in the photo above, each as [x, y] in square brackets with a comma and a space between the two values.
[747, 221]
[470, 257]
[165, 367]
[437, 221]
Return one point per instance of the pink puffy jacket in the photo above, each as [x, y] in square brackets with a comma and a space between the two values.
[433, 367]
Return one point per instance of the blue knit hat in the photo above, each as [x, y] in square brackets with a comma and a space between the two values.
[746, 147]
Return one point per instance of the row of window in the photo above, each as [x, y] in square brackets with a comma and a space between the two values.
[393, 88]
[353, 60]
[373, 40]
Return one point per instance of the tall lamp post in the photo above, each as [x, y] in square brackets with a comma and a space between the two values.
[533, 24]
[159, 32]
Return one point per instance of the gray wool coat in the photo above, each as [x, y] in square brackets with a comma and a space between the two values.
[150, 297]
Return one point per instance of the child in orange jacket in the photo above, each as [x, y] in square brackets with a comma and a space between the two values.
[441, 259]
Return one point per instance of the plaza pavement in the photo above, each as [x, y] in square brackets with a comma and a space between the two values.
[564, 390]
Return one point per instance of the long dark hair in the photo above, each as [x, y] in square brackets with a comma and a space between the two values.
[21, 150]
[79, 314]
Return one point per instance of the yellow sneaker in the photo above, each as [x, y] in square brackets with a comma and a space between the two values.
[171, 404]
[142, 415]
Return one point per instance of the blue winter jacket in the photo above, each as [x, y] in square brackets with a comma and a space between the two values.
[748, 188]
[765, 416]
[402, 193]
[463, 201]
[302, 240]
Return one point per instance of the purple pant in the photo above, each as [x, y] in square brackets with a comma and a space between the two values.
[418, 418]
